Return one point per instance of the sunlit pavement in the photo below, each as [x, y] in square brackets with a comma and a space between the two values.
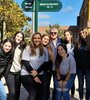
[24, 94]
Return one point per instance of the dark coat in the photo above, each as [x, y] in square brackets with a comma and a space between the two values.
[88, 42]
[5, 60]
[82, 56]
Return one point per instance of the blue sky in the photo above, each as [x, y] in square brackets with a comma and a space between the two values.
[66, 16]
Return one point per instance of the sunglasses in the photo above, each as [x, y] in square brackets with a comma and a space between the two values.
[53, 32]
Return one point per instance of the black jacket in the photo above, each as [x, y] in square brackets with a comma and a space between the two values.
[82, 56]
[5, 60]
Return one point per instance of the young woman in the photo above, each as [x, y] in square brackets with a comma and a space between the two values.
[65, 71]
[83, 64]
[54, 41]
[5, 60]
[48, 72]
[33, 58]
[13, 77]
[68, 38]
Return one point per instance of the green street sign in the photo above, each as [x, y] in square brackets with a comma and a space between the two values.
[27, 5]
[43, 6]
[49, 6]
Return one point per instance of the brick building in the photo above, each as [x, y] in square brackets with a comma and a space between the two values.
[74, 29]
[83, 20]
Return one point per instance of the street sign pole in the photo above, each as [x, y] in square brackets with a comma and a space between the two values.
[36, 15]
[33, 18]
[33, 22]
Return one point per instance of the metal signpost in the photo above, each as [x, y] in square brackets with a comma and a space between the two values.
[40, 6]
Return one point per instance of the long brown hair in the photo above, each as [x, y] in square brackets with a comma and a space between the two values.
[72, 38]
[81, 41]
[33, 47]
[50, 52]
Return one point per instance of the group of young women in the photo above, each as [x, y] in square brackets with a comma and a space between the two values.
[34, 64]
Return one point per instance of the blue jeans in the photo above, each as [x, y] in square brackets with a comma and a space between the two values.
[84, 74]
[3, 95]
[56, 85]
[59, 93]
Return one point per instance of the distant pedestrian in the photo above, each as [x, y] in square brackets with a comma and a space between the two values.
[5, 60]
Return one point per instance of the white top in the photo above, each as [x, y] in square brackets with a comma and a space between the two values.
[70, 48]
[16, 64]
[55, 43]
[68, 65]
[35, 61]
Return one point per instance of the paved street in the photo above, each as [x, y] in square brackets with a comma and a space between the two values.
[24, 94]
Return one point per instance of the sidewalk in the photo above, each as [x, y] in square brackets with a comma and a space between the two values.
[24, 94]
[76, 87]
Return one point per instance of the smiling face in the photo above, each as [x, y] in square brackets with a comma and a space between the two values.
[45, 40]
[18, 38]
[61, 51]
[7, 47]
[68, 36]
[53, 33]
[36, 40]
[83, 34]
